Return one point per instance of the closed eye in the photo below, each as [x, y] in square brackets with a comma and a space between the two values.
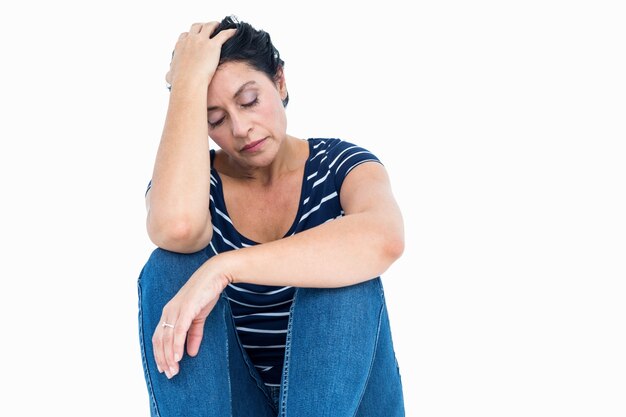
[252, 103]
[216, 124]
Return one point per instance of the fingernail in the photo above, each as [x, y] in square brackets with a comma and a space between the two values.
[176, 357]
[172, 370]
[159, 369]
[168, 375]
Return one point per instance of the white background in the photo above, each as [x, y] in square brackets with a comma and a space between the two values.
[502, 126]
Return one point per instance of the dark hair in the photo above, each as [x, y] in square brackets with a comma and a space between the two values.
[252, 46]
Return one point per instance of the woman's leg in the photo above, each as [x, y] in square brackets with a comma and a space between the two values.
[339, 359]
[383, 394]
[220, 380]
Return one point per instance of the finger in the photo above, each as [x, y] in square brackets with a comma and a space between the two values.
[196, 329]
[209, 27]
[225, 35]
[157, 349]
[195, 28]
[183, 35]
[170, 365]
[180, 335]
[194, 337]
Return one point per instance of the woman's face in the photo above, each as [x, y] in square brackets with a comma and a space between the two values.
[245, 113]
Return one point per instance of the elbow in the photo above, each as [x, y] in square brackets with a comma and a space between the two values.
[393, 248]
[178, 235]
[391, 244]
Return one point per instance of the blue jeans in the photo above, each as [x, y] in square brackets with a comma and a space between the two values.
[339, 357]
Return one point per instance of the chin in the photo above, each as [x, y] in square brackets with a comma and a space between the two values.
[266, 156]
[261, 160]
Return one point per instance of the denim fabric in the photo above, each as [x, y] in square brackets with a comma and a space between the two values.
[339, 357]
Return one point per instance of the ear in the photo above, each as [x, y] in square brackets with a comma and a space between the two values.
[281, 84]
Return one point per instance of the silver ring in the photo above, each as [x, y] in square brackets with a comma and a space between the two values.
[164, 324]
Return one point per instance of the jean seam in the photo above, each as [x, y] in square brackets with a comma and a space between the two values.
[230, 389]
[369, 371]
[143, 350]
[285, 379]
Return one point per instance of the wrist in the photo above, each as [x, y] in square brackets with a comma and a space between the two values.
[190, 83]
[222, 266]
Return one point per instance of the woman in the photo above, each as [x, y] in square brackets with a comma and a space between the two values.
[293, 322]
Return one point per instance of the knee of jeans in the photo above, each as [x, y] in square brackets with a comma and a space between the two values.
[164, 256]
[165, 272]
[353, 294]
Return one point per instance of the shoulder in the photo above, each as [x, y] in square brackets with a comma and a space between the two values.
[338, 150]
[339, 157]
[329, 144]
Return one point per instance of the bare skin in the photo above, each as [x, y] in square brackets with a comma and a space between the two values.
[262, 190]
[177, 216]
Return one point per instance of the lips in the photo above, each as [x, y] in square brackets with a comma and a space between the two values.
[252, 145]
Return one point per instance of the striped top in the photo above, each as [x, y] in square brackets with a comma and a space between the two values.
[261, 312]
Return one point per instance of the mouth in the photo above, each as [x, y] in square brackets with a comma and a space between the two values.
[253, 146]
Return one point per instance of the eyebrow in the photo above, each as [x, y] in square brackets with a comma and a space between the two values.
[237, 94]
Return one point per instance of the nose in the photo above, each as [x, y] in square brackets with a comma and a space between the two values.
[241, 125]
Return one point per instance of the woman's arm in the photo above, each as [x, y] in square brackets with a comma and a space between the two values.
[356, 247]
[178, 216]
[351, 249]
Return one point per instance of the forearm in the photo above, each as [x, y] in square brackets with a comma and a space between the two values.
[180, 180]
[342, 252]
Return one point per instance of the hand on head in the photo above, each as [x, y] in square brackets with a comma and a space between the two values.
[197, 54]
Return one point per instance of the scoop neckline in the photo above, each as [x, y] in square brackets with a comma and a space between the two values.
[295, 222]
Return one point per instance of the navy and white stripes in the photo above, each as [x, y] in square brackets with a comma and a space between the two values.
[261, 312]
